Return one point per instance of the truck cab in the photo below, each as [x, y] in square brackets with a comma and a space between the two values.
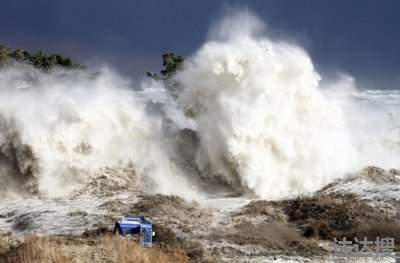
[131, 226]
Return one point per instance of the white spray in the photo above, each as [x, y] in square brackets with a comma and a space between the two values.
[255, 104]
[75, 126]
[260, 114]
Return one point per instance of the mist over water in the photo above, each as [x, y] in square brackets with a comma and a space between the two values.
[255, 113]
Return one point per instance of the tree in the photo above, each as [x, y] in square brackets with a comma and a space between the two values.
[60, 60]
[3, 55]
[18, 54]
[171, 63]
[40, 59]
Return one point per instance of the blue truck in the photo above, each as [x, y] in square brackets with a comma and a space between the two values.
[131, 225]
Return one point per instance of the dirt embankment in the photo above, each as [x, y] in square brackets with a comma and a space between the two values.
[336, 216]
[322, 217]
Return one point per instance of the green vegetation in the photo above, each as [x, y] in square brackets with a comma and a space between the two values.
[40, 59]
[171, 63]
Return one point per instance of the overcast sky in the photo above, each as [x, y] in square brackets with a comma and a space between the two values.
[359, 37]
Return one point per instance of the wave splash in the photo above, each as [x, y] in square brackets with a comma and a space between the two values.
[262, 119]
[249, 112]
[58, 131]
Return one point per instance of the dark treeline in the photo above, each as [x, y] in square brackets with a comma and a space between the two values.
[40, 59]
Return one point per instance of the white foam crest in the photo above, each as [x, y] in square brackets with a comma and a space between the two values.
[265, 121]
[75, 126]
[261, 115]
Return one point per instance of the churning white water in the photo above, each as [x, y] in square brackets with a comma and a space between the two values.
[263, 122]
[260, 113]
[60, 130]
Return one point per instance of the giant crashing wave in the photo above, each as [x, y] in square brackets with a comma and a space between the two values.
[62, 131]
[250, 114]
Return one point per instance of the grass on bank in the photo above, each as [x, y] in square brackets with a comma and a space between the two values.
[106, 249]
